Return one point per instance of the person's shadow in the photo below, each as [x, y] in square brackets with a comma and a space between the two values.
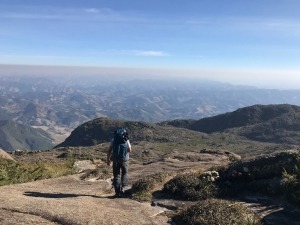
[56, 195]
[61, 195]
[282, 216]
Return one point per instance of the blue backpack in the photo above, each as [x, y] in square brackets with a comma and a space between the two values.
[120, 145]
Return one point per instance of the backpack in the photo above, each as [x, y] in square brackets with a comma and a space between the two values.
[120, 145]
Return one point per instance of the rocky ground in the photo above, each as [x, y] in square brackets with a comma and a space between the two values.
[69, 200]
[73, 200]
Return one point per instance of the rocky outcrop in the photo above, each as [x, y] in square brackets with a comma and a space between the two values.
[262, 175]
[263, 167]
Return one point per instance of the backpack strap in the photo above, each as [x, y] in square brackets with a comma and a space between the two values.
[120, 151]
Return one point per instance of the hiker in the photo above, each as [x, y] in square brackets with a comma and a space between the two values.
[118, 153]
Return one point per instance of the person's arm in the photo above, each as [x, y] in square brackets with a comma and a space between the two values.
[109, 149]
[129, 146]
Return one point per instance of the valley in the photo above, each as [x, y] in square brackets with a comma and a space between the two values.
[59, 104]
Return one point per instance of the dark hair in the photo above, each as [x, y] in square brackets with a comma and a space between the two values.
[124, 131]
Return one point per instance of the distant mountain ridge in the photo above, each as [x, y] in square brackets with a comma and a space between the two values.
[101, 130]
[239, 118]
[266, 123]
[62, 104]
[14, 136]
[270, 123]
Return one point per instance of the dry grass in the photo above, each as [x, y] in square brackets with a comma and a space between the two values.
[12, 172]
[143, 188]
[101, 172]
[191, 186]
[216, 212]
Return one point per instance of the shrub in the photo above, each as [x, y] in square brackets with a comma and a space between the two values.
[292, 185]
[215, 212]
[143, 188]
[276, 174]
[192, 186]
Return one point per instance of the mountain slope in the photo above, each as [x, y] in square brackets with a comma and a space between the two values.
[101, 130]
[15, 136]
[270, 123]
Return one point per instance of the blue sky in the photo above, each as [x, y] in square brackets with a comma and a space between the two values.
[235, 40]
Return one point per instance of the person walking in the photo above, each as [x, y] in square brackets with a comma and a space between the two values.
[118, 153]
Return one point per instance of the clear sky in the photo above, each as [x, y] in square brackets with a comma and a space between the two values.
[236, 40]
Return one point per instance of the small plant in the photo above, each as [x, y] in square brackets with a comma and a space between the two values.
[192, 186]
[215, 212]
[292, 185]
[143, 188]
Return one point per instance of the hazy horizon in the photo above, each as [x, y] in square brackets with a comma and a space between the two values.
[253, 43]
[259, 79]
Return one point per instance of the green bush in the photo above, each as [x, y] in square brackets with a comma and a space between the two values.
[292, 185]
[192, 186]
[216, 212]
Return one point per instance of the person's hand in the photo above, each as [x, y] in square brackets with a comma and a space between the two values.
[108, 162]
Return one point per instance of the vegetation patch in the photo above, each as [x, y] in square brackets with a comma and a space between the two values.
[274, 175]
[101, 172]
[193, 186]
[12, 172]
[215, 212]
[292, 185]
[143, 188]
[80, 154]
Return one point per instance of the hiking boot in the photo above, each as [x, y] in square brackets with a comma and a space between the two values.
[117, 195]
[122, 190]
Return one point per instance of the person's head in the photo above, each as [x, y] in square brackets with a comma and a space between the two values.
[122, 132]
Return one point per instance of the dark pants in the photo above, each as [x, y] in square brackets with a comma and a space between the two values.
[120, 170]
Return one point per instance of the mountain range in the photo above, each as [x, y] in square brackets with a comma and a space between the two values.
[268, 123]
[59, 104]
[279, 124]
